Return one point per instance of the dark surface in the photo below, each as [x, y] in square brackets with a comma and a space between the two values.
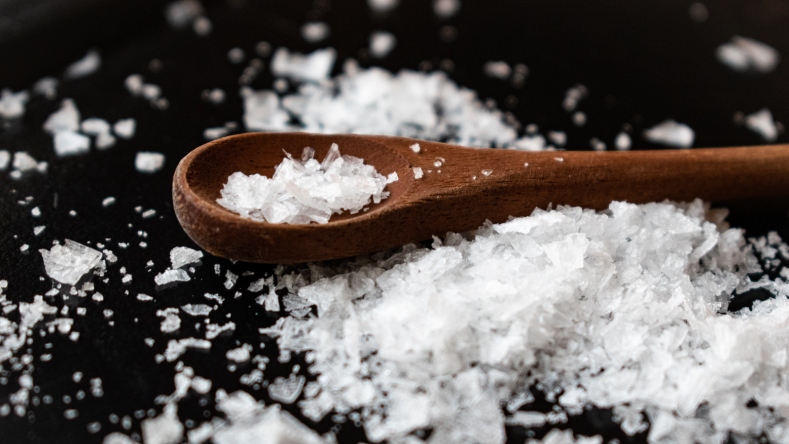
[643, 62]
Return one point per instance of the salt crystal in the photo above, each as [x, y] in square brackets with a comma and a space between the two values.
[301, 192]
[170, 275]
[35, 212]
[201, 385]
[12, 105]
[382, 43]
[262, 111]
[497, 70]
[68, 143]
[417, 172]
[240, 354]
[107, 201]
[574, 95]
[125, 128]
[5, 159]
[215, 133]
[314, 32]
[392, 178]
[148, 213]
[286, 390]
[231, 279]
[527, 419]
[236, 55]
[215, 297]
[47, 87]
[68, 263]
[558, 137]
[24, 248]
[164, 429]
[382, 5]
[415, 148]
[313, 67]
[196, 309]
[181, 256]
[579, 118]
[23, 161]
[151, 91]
[66, 119]
[671, 133]
[181, 13]
[144, 297]
[622, 142]
[762, 123]
[171, 320]
[487, 172]
[744, 54]
[148, 162]
[445, 9]
[101, 129]
[530, 143]
[84, 66]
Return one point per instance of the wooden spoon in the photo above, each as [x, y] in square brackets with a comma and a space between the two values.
[460, 189]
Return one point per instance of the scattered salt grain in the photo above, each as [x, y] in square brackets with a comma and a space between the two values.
[214, 330]
[487, 172]
[84, 66]
[579, 118]
[196, 309]
[69, 143]
[175, 348]
[47, 87]
[215, 96]
[65, 119]
[497, 70]
[125, 128]
[286, 390]
[314, 32]
[180, 14]
[101, 129]
[527, 419]
[108, 201]
[38, 230]
[5, 159]
[148, 162]
[382, 6]
[148, 213]
[215, 133]
[231, 279]
[671, 133]
[171, 320]
[240, 354]
[35, 212]
[744, 54]
[530, 143]
[144, 297]
[216, 297]
[236, 55]
[163, 429]
[313, 67]
[382, 43]
[762, 123]
[415, 148]
[169, 276]
[24, 248]
[304, 191]
[12, 105]
[622, 141]
[181, 256]
[23, 162]
[417, 173]
[68, 263]
[574, 95]
[445, 9]
[558, 137]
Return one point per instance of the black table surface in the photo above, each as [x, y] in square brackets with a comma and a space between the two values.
[643, 62]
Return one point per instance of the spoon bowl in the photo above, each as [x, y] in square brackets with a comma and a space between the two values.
[460, 189]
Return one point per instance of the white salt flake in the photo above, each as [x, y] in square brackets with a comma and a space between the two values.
[215, 133]
[66, 119]
[671, 133]
[196, 309]
[12, 105]
[445, 9]
[171, 320]
[573, 96]
[417, 172]
[170, 275]
[240, 354]
[382, 43]
[314, 32]
[148, 162]
[744, 54]
[23, 161]
[382, 6]
[38, 230]
[181, 13]
[305, 191]
[313, 67]
[286, 390]
[84, 66]
[69, 143]
[762, 123]
[125, 128]
[47, 87]
[107, 201]
[415, 148]
[68, 263]
[622, 141]
[163, 429]
[5, 159]
[498, 69]
[144, 297]
[181, 256]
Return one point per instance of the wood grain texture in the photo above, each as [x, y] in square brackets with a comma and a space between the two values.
[455, 196]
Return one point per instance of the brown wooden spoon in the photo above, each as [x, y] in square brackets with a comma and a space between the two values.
[460, 189]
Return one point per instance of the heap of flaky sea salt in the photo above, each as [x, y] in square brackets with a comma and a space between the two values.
[624, 309]
[304, 191]
[375, 101]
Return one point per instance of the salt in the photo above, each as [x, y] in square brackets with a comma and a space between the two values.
[101, 129]
[671, 133]
[164, 429]
[744, 54]
[12, 105]
[415, 148]
[148, 162]
[169, 276]
[286, 390]
[762, 123]
[107, 201]
[314, 32]
[240, 354]
[304, 191]
[171, 320]
[622, 141]
[382, 43]
[84, 66]
[68, 263]
[47, 87]
[445, 9]
[5, 159]
[66, 119]
[181, 13]
[69, 143]
[313, 67]
[196, 309]
[182, 256]
[498, 70]
[417, 172]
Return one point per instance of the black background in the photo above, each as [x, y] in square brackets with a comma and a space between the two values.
[643, 62]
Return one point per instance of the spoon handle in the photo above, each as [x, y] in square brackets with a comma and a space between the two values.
[496, 184]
